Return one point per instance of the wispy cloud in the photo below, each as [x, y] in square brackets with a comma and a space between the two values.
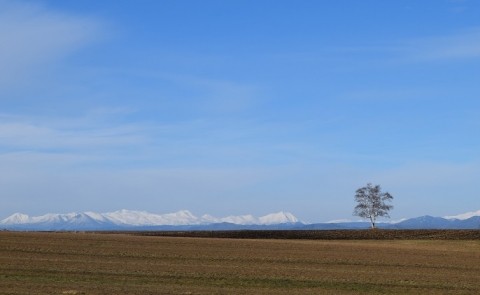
[31, 35]
[55, 181]
[458, 6]
[455, 46]
[87, 132]
[227, 96]
[208, 94]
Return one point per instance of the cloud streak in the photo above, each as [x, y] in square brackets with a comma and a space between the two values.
[32, 35]
[459, 46]
[35, 134]
[455, 46]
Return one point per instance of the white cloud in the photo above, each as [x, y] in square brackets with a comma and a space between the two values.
[41, 182]
[212, 95]
[31, 35]
[453, 46]
[431, 175]
[461, 45]
[88, 132]
[432, 188]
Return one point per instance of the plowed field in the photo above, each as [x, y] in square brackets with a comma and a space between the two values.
[89, 263]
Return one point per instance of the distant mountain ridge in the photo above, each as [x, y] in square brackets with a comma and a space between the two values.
[422, 222]
[128, 219]
[464, 216]
[185, 220]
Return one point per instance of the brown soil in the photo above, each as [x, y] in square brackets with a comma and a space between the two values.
[90, 263]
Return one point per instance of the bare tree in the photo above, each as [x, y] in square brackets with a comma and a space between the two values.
[371, 203]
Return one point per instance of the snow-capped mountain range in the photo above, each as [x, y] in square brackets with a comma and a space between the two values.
[135, 219]
[464, 216]
[185, 220]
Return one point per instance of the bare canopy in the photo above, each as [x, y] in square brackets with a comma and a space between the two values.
[371, 203]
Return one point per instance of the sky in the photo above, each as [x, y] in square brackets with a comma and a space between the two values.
[239, 107]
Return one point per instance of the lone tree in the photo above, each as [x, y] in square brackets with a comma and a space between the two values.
[371, 203]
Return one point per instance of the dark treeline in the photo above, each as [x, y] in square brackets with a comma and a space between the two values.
[378, 234]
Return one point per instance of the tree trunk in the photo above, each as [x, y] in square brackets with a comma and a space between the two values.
[372, 221]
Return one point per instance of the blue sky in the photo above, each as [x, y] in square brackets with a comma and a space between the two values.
[236, 107]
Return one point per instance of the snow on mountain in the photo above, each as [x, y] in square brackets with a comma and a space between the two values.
[142, 218]
[129, 218]
[464, 216]
[96, 216]
[278, 218]
[17, 218]
[241, 219]
[274, 218]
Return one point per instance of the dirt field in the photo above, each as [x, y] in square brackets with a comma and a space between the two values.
[88, 263]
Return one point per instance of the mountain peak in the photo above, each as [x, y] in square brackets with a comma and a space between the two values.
[131, 219]
[464, 216]
[17, 218]
[278, 218]
[184, 219]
